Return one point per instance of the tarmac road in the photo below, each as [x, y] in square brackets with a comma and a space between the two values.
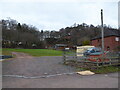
[64, 81]
[36, 66]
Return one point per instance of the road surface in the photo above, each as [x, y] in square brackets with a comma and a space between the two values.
[25, 65]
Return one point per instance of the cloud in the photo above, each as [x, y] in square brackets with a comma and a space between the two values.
[54, 15]
[19, 1]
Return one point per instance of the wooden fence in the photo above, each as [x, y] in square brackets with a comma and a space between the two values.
[111, 58]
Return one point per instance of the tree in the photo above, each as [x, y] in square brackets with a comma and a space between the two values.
[19, 35]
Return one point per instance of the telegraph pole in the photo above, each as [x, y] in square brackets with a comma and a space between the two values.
[119, 15]
[102, 31]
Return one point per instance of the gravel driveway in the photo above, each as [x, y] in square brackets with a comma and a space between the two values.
[27, 65]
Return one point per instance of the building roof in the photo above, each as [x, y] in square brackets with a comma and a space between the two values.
[60, 44]
[108, 33]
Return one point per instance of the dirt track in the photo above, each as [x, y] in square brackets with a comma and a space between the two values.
[27, 65]
[21, 55]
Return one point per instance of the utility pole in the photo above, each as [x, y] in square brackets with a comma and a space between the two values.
[102, 31]
[119, 15]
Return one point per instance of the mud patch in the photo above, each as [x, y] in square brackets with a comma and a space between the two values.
[21, 55]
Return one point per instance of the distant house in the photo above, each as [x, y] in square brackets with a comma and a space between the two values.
[60, 46]
[68, 37]
[111, 40]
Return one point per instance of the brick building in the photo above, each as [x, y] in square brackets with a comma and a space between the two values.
[111, 40]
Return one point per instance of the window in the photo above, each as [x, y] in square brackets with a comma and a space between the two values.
[117, 39]
[108, 48]
[98, 40]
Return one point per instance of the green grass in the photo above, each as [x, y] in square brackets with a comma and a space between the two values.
[102, 70]
[97, 70]
[33, 52]
[107, 69]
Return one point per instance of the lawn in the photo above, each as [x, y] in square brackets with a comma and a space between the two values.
[33, 52]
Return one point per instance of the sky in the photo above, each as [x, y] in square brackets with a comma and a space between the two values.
[119, 15]
[57, 14]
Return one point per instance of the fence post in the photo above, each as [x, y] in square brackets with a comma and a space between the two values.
[97, 60]
[76, 56]
[110, 61]
[64, 55]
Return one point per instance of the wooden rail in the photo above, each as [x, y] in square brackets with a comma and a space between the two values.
[99, 61]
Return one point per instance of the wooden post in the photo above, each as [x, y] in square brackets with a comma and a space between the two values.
[75, 55]
[110, 61]
[64, 56]
[97, 60]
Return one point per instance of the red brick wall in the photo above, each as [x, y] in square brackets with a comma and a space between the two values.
[108, 42]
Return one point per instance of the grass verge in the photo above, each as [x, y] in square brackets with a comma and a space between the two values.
[107, 69]
[98, 70]
[33, 52]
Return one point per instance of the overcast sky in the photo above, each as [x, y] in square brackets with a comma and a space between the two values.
[56, 14]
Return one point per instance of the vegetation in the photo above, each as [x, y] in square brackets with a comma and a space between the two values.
[33, 52]
[107, 69]
[17, 35]
[102, 70]
[98, 70]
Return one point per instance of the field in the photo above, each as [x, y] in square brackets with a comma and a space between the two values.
[33, 52]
